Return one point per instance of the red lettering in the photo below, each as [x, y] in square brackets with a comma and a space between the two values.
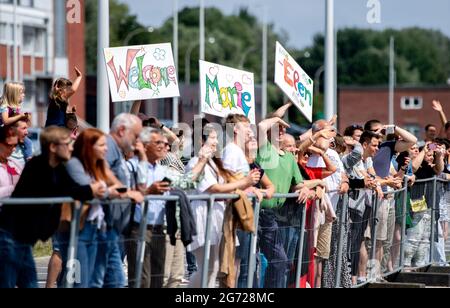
[131, 54]
[287, 72]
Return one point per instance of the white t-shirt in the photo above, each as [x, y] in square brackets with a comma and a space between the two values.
[234, 159]
[200, 208]
[334, 181]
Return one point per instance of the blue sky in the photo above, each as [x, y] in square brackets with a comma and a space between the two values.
[301, 19]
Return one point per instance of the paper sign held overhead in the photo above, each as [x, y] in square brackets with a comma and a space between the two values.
[225, 90]
[294, 82]
[141, 72]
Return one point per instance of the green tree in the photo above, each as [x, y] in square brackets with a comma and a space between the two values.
[121, 24]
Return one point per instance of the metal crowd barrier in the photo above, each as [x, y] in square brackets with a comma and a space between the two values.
[77, 206]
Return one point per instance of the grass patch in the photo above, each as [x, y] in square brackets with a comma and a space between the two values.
[43, 249]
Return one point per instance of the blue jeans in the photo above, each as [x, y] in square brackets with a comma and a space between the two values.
[291, 240]
[86, 255]
[108, 270]
[271, 244]
[27, 148]
[243, 253]
[17, 267]
[191, 263]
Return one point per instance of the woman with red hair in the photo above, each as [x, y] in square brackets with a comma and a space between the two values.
[88, 164]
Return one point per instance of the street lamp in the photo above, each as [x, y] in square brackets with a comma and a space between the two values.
[136, 32]
[187, 59]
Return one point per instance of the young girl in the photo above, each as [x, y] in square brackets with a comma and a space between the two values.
[11, 112]
[11, 103]
[62, 90]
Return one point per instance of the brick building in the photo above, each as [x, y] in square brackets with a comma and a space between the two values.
[412, 106]
[48, 47]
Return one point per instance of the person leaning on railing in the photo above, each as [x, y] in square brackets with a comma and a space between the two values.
[431, 163]
[21, 226]
[215, 179]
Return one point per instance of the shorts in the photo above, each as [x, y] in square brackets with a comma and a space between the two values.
[324, 241]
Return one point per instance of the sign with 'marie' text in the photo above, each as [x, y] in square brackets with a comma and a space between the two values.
[225, 90]
[294, 82]
[141, 72]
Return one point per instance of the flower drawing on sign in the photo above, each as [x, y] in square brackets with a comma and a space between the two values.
[159, 54]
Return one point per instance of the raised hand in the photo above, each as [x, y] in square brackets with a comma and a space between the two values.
[78, 72]
[437, 106]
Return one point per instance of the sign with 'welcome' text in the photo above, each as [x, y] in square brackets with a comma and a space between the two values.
[294, 82]
[225, 90]
[141, 72]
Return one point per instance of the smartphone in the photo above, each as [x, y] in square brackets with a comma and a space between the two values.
[167, 180]
[432, 146]
[122, 190]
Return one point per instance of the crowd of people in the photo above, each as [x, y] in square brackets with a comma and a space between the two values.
[370, 163]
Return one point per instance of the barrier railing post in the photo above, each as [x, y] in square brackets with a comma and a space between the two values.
[140, 255]
[300, 248]
[434, 208]
[253, 242]
[342, 223]
[207, 242]
[403, 234]
[373, 235]
[72, 267]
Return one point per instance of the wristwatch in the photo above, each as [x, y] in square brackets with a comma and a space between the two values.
[162, 126]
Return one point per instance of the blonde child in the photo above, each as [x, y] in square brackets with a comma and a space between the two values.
[11, 103]
[11, 112]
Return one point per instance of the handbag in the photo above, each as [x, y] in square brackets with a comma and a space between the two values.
[419, 205]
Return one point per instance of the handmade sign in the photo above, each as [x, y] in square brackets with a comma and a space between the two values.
[225, 90]
[294, 82]
[141, 72]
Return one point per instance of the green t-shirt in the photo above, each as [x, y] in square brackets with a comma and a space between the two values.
[282, 170]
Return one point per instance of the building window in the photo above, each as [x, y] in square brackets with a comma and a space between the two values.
[411, 102]
[29, 3]
[6, 32]
[33, 41]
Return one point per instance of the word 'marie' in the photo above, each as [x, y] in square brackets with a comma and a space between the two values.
[140, 76]
[292, 78]
[228, 97]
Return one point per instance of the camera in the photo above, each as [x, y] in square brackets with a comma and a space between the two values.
[390, 130]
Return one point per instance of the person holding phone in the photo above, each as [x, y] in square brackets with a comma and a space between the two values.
[88, 165]
[215, 179]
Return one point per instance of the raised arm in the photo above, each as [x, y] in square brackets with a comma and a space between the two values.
[136, 107]
[265, 125]
[282, 110]
[438, 107]
[439, 160]
[408, 140]
[76, 83]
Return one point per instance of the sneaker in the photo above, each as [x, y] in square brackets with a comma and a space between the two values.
[361, 280]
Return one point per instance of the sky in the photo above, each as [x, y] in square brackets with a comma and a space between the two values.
[302, 19]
